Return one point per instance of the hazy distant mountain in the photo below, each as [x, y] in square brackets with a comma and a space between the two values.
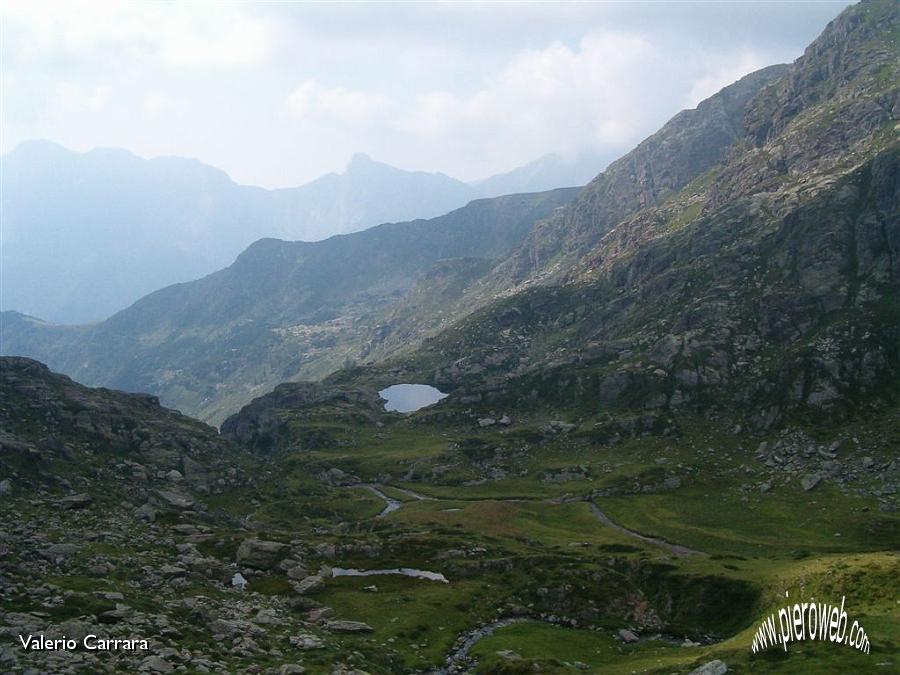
[546, 173]
[368, 193]
[87, 234]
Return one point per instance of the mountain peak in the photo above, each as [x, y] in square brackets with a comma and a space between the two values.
[360, 160]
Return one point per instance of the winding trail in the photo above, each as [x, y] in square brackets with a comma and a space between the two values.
[677, 549]
[390, 504]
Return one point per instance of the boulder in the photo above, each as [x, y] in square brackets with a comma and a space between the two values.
[627, 636]
[310, 584]
[59, 552]
[260, 554]
[811, 481]
[78, 501]
[146, 513]
[716, 667]
[306, 641]
[175, 500]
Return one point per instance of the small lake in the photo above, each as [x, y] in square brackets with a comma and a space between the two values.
[410, 397]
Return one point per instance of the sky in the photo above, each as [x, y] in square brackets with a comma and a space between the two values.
[276, 94]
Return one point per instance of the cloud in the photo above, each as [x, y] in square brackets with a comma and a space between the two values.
[547, 100]
[746, 62]
[327, 105]
[158, 105]
[72, 99]
[192, 35]
[469, 89]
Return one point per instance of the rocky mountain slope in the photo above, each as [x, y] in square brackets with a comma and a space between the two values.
[283, 310]
[87, 234]
[766, 287]
[58, 435]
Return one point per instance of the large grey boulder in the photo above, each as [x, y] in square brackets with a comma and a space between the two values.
[310, 584]
[716, 667]
[78, 501]
[175, 500]
[260, 554]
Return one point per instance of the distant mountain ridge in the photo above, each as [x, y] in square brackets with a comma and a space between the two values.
[545, 173]
[86, 234]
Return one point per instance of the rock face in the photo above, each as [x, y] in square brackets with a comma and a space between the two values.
[689, 144]
[263, 555]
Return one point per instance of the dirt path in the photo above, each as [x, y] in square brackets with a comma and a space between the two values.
[390, 504]
[677, 549]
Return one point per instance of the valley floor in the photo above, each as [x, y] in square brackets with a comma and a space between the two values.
[561, 555]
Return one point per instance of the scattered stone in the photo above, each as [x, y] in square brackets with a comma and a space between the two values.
[509, 655]
[716, 667]
[627, 636]
[172, 571]
[155, 664]
[487, 422]
[310, 584]
[175, 500]
[78, 501]
[146, 513]
[810, 482]
[291, 669]
[238, 581]
[306, 641]
[59, 552]
[671, 483]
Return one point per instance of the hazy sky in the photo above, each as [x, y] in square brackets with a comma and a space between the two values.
[279, 93]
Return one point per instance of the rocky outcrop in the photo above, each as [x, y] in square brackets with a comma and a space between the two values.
[50, 422]
[265, 424]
